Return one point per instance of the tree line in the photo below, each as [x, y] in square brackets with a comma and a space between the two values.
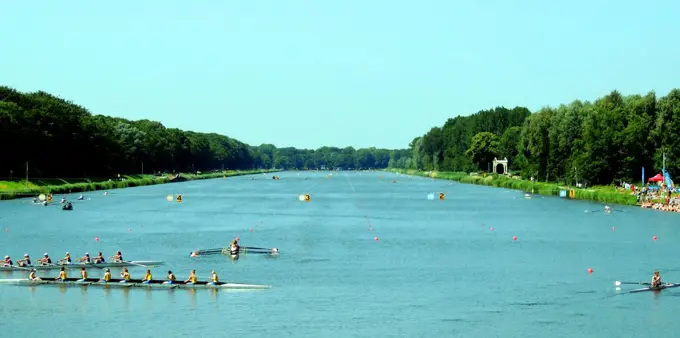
[600, 142]
[61, 139]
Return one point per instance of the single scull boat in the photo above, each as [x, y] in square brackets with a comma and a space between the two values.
[648, 287]
[115, 282]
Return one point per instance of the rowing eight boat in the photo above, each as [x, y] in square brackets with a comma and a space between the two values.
[160, 284]
[81, 265]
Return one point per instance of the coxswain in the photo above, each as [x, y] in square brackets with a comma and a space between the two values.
[62, 274]
[607, 209]
[46, 260]
[125, 275]
[32, 275]
[7, 261]
[171, 278]
[147, 277]
[192, 278]
[118, 257]
[63, 200]
[83, 274]
[656, 280]
[85, 259]
[24, 262]
[66, 260]
[214, 279]
[99, 258]
[107, 276]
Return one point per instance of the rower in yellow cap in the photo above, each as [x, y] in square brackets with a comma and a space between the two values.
[192, 278]
[214, 279]
[147, 277]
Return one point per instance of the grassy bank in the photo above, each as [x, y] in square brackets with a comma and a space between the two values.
[605, 194]
[34, 187]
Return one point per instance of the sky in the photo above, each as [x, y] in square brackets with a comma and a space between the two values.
[333, 73]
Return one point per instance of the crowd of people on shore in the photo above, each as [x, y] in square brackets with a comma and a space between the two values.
[657, 197]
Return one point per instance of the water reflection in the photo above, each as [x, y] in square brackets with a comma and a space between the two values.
[192, 294]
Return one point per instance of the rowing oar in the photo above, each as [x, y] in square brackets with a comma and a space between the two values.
[617, 283]
[255, 248]
[129, 262]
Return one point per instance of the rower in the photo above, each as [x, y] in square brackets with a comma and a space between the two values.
[117, 258]
[32, 275]
[80, 198]
[214, 279]
[234, 248]
[147, 277]
[99, 258]
[85, 259]
[24, 262]
[125, 275]
[46, 260]
[83, 274]
[7, 261]
[66, 260]
[62, 275]
[171, 278]
[192, 278]
[656, 280]
[107, 276]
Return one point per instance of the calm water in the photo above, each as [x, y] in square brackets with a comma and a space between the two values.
[437, 269]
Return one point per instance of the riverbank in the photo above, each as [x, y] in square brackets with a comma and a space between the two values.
[604, 194]
[18, 189]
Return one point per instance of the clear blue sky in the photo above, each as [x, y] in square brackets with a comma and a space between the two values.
[312, 73]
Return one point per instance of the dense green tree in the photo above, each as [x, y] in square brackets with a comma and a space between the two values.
[484, 147]
[61, 139]
[598, 142]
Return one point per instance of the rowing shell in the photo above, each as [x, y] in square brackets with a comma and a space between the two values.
[661, 287]
[154, 284]
[81, 265]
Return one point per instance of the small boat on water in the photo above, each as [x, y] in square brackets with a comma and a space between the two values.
[143, 264]
[659, 288]
[241, 251]
[138, 283]
[648, 286]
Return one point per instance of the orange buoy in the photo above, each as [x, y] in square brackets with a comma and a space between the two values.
[514, 238]
[655, 238]
[590, 270]
[376, 238]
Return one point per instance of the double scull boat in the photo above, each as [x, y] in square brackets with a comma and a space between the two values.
[153, 284]
[143, 264]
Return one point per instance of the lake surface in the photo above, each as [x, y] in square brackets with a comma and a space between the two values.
[437, 270]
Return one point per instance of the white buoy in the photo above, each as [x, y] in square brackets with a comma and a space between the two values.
[430, 196]
[41, 197]
[170, 198]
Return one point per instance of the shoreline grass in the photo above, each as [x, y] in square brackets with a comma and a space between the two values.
[605, 194]
[20, 189]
